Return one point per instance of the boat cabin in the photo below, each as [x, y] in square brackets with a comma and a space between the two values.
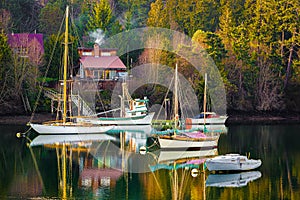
[137, 107]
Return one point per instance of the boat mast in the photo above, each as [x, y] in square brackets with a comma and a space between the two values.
[204, 100]
[122, 114]
[65, 66]
[176, 96]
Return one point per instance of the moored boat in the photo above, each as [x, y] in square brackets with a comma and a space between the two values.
[69, 128]
[231, 162]
[194, 139]
[136, 113]
[67, 125]
[207, 118]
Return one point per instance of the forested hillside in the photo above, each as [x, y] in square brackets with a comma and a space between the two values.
[255, 44]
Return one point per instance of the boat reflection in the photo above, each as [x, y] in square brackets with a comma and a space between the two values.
[216, 128]
[94, 162]
[232, 180]
[180, 169]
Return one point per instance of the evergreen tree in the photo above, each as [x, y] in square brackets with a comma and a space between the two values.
[157, 15]
[102, 18]
[51, 18]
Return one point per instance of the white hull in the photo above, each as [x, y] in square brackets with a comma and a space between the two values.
[185, 144]
[122, 121]
[208, 121]
[69, 129]
[231, 163]
[232, 180]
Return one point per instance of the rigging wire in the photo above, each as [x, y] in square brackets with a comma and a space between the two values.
[171, 82]
[46, 72]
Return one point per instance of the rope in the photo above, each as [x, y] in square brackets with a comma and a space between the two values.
[171, 82]
[46, 72]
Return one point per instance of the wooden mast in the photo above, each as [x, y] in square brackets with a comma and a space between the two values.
[176, 96]
[204, 100]
[65, 66]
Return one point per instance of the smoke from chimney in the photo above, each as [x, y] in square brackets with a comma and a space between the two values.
[98, 36]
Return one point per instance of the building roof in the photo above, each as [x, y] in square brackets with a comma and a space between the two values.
[102, 62]
[25, 39]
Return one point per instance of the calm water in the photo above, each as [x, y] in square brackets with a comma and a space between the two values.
[111, 167]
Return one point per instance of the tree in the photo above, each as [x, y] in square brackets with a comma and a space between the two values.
[5, 20]
[5, 63]
[101, 17]
[24, 14]
[51, 18]
[157, 15]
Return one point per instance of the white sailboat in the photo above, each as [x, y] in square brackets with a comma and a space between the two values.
[64, 126]
[187, 139]
[205, 118]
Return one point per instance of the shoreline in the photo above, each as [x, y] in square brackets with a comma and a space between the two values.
[233, 119]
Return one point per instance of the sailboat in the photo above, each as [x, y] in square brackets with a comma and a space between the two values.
[135, 114]
[186, 138]
[66, 126]
[205, 118]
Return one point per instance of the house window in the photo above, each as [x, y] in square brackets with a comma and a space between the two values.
[112, 74]
[105, 54]
[96, 74]
[87, 53]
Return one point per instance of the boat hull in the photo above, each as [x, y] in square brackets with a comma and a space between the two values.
[120, 121]
[166, 143]
[68, 129]
[171, 156]
[231, 163]
[208, 121]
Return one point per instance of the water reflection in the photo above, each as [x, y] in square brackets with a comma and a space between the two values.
[112, 167]
[232, 180]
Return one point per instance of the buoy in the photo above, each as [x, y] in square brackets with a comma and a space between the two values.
[143, 150]
[18, 135]
[194, 172]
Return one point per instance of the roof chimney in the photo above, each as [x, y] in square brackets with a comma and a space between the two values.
[96, 50]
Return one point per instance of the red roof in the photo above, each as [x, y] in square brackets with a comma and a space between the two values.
[102, 62]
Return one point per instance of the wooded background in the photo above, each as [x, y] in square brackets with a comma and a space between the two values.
[254, 43]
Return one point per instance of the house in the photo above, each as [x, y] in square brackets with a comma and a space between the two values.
[27, 45]
[101, 65]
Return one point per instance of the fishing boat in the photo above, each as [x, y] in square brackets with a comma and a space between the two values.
[231, 162]
[232, 180]
[178, 139]
[136, 113]
[68, 124]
